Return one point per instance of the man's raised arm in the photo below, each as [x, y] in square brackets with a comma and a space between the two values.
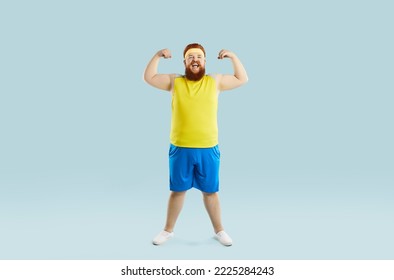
[227, 82]
[161, 81]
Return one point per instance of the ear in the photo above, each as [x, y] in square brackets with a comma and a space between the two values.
[184, 62]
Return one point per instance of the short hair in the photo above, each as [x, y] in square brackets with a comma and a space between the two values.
[193, 45]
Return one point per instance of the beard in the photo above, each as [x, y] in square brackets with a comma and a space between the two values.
[194, 76]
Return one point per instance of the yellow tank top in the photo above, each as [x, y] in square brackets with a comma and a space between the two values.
[194, 113]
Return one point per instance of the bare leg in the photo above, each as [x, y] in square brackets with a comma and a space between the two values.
[211, 202]
[175, 204]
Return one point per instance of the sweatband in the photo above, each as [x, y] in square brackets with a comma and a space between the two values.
[194, 50]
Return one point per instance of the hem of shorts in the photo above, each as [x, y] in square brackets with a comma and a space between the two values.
[176, 189]
[189, 188]
[202, 189]
[208, 191]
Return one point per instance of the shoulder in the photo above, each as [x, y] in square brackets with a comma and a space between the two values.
[178, 76]
[176, 79]
[217, 78]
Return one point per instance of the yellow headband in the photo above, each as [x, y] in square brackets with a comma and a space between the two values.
[194, 50]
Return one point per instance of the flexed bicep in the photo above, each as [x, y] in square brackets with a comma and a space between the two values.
[160, 81]
[227, 82]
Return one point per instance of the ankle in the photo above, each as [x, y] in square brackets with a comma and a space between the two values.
[168, 229]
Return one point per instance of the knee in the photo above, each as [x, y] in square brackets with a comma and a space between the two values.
[208, 195]
[178, 194]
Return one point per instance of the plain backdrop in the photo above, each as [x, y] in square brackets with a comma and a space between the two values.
[307, 144]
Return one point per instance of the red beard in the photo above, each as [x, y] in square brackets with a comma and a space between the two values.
[194, 76]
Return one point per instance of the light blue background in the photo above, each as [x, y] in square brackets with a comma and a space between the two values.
[307, 144]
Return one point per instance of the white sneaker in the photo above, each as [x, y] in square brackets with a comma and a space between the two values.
[162, 237]
[224, 238]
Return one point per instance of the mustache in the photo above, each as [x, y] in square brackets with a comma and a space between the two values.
[194, 76]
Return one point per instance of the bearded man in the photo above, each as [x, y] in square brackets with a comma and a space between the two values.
[194, 155]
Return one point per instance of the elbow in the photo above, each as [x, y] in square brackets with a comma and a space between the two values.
[144, 77]
[244, 80]
[147, 79]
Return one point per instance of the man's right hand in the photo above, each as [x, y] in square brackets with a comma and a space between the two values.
[166, 53]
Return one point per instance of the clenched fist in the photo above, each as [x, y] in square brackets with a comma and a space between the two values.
[166, 53]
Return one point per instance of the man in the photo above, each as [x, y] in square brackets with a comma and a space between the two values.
[194, 154]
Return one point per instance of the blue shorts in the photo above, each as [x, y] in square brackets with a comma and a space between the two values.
[194, 168]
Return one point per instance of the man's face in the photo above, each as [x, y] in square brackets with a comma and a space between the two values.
[194, 66]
